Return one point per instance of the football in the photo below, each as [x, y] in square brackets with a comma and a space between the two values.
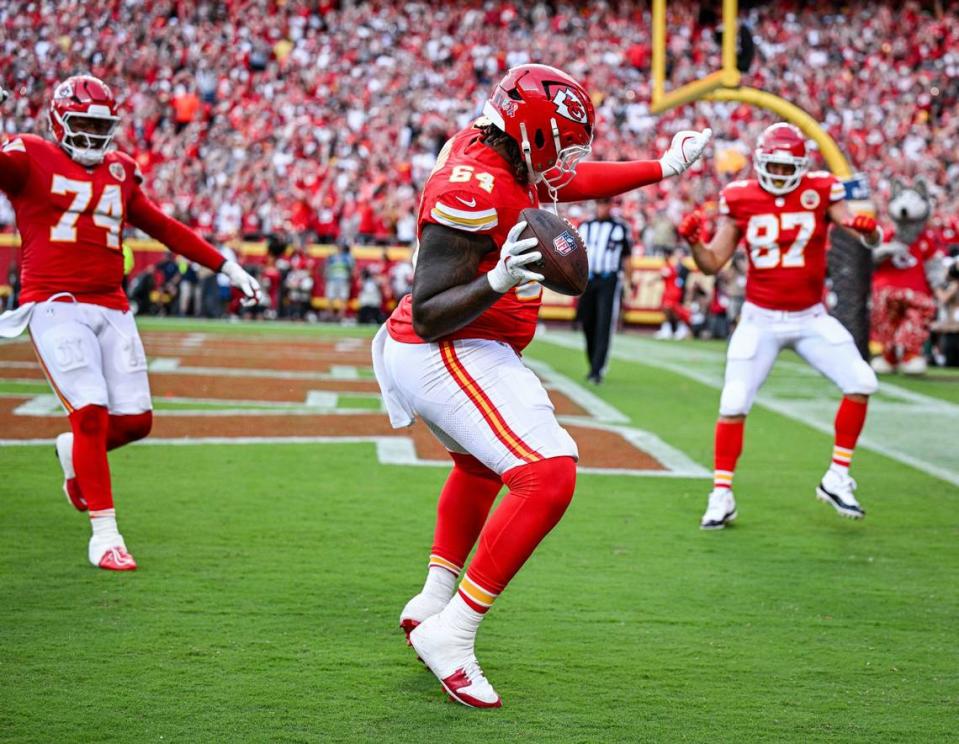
[564, 264]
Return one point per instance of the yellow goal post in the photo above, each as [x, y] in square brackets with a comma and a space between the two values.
[724, 85]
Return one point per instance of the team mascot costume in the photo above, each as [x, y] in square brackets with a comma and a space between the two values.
[908, 270]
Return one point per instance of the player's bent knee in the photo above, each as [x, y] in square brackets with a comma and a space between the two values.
[863, 381]
[550, 482]
[139, 426]
[736, 399]
[90, 421]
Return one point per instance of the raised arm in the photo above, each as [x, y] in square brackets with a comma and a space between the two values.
[14, 163]
[711, 258]
[447, 294]
[602, 180]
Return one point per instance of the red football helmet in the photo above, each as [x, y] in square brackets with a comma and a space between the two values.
[549, 115]
[83, 117]
[781, 144]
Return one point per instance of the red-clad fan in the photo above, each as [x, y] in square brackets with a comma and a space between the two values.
[450, 353]
[783, 217]
[72, 198]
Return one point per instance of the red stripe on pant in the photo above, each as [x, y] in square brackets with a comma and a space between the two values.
[516, 446]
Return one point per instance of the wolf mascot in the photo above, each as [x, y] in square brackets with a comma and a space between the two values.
[908, 270]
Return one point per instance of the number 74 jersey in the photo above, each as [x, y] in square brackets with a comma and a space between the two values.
[785, 238]
[70, 219]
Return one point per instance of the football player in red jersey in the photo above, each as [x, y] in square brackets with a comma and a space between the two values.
[450, 352]
[783, 215]
[72, 198]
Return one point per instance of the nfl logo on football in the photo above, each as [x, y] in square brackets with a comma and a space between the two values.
[564, 243]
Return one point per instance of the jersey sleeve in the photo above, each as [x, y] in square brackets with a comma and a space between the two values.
[14, 165]
[176, 236]
[461, 209]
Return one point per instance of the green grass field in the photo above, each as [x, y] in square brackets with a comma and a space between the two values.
[271, 578]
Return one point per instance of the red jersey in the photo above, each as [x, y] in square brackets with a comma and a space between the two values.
[908, 270]
[785, 238]
[472, 188]
[71, 220]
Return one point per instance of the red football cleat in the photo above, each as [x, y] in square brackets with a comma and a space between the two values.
[70, 486]
[408, 625]
[72, 489]
[117, 559]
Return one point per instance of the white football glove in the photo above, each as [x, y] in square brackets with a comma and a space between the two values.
[684, 150]
[249, 286]
[511, 269]
[4, 94]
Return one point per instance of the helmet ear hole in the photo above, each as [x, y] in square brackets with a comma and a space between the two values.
[539, 138]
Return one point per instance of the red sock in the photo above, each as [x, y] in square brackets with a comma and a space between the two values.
[850, 418]
[728, 446]
[461, 512]
[538, 496]
[89, 426]
[128, 428]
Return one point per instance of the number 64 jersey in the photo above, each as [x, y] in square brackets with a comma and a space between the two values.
[70, 219]
[785, 238]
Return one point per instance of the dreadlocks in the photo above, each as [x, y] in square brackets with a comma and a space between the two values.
[496, 137]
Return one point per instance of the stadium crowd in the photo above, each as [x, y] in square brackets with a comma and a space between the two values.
[322, 119]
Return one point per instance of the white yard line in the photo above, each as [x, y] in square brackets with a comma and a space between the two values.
[917, 430]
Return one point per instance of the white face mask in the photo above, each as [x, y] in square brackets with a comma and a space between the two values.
[776, 183]
[86, 148]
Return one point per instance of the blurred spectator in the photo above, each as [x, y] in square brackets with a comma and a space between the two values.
[249, 120]
[338, 274]
[401, 279]
[370, 298]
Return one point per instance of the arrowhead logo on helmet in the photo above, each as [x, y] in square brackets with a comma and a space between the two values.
[83, 117]
[549, 115]
[568, 105]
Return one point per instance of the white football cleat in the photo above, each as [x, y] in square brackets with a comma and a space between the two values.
[450, 657]
[837, 489]
[70, 486]
[914, 365]
[109, 552]
[720, 511]
[418, 609]
[682, 331]
[664, 333]
[881, 366]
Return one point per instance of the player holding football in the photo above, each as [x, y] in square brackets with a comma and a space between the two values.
[72, 198]
[450, 352]
[784, 215]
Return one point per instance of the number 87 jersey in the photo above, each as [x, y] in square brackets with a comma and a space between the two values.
[785, 237]
[70, 219]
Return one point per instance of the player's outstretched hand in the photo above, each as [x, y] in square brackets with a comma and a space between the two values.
[249, 286]
[514, 257]
[863, 224]
[691, 228]
[684, 150]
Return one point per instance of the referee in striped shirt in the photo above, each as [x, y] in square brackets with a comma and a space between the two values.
[607, 245]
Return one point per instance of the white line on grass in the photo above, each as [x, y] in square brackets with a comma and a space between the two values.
[910, 442]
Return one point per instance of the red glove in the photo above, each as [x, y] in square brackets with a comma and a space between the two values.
[862, 224]
[691, 228]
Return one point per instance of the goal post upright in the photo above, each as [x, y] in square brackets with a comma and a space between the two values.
[723, 85]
